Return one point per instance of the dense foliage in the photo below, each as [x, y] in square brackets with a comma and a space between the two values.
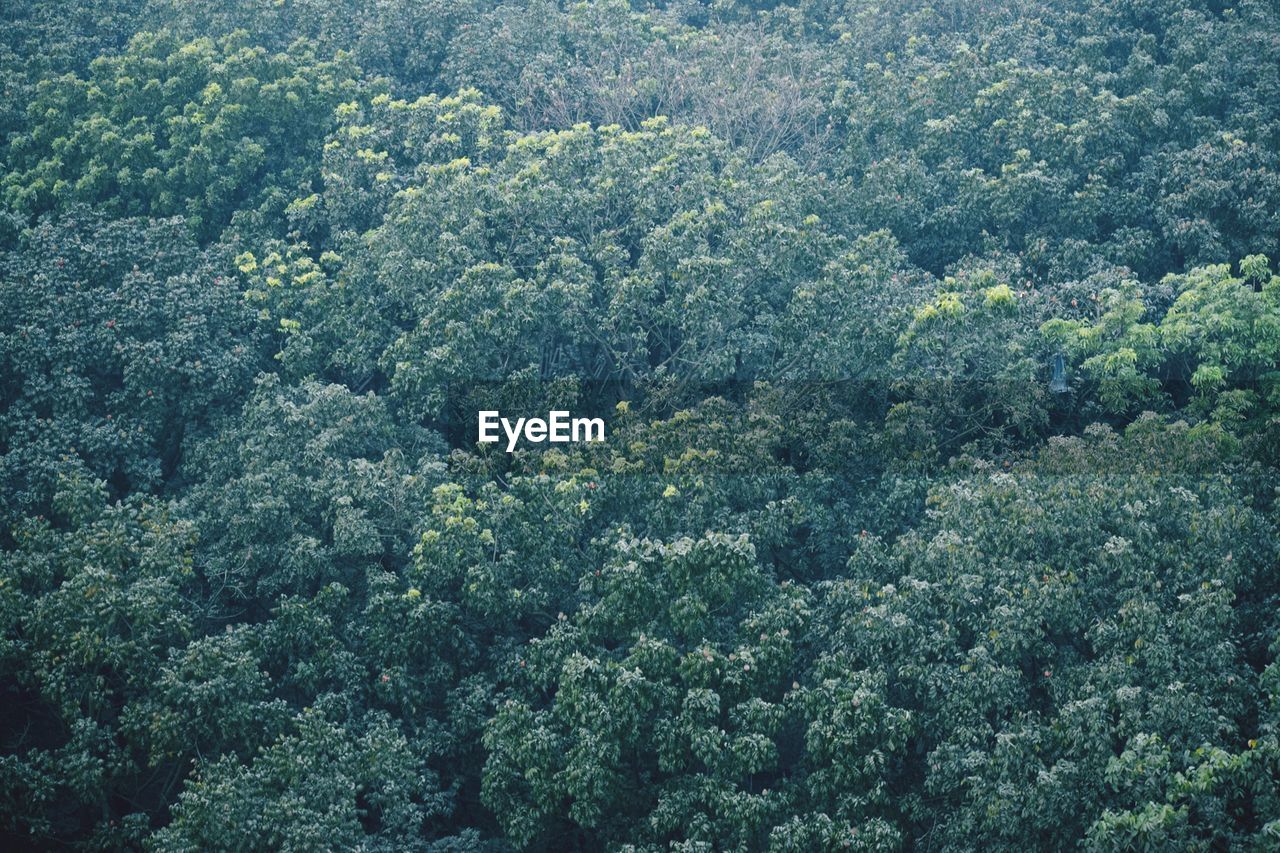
[939, 351]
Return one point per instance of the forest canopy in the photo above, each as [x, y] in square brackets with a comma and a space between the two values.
[938, 349]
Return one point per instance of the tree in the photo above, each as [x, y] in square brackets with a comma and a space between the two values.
[201, 129]
[119, 340]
